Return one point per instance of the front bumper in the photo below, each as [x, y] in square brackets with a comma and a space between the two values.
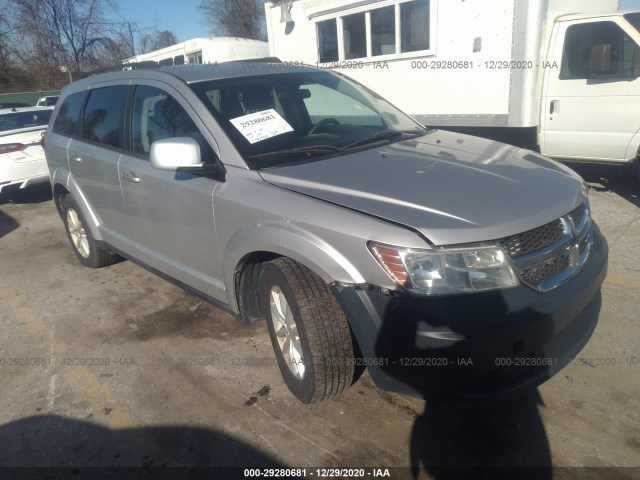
[480, 346]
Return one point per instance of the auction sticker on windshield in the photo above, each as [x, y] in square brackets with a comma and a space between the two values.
[259, 126]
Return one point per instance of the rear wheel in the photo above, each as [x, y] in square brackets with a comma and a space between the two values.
[82, 242]
[309, 331]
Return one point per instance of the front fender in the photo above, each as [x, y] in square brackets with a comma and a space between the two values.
[291, 241]
[62, 176]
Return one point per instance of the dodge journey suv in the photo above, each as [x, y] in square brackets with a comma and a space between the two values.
[447, 265]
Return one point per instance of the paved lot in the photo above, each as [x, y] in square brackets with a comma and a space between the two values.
[124, 369]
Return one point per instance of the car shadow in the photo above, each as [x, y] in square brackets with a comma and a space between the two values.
[506, 440]
[7, 224]
[622, 180]
[38, 193]
[474, 424]
[61, 447]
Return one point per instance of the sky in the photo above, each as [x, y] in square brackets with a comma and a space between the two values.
[181, 17]
[629, 4]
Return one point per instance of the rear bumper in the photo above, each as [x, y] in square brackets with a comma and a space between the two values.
[475, 347]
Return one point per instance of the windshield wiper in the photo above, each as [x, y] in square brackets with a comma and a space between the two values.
[308, 151]
[380, 136]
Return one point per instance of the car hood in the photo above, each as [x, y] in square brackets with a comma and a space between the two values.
[453, 188]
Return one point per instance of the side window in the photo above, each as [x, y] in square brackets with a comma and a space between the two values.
[158, 116]
[355, 36]
[327, 40]
[194, 58]
[598, 48]
[103, 115]
[414, 26]
[373, 33]
[68, 119]
[383, 31]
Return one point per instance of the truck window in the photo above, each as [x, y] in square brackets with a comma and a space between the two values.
[327, 40]
[383, 31]
[598, 49]
[355, 36]
[195, 58]
[373, 33]
[414, 26]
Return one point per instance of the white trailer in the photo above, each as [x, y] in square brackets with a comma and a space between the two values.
[205, 51]
[565, 70]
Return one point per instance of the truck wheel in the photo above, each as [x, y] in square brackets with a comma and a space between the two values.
[308, 330]
[83, 244]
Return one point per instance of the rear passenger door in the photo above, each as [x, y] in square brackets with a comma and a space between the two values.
[172, 212]
[94, 152]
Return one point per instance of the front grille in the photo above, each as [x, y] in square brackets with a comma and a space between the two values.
[548, 255]
[533, 240]
[545, 271]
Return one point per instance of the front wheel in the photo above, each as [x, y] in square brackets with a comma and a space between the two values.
[309, 331]
[82, 242]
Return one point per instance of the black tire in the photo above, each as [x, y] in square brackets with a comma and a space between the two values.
[323, 330]
[89, 253]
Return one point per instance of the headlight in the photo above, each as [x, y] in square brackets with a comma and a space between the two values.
[446, 271]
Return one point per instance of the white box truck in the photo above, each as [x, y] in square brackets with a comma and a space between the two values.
[565, 71]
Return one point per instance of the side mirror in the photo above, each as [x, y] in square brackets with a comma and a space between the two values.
[176, 153]
[600, 60]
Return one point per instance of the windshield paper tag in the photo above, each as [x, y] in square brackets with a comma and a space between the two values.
[261, 125]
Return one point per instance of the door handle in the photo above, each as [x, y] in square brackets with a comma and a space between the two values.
[130, 177]
[553, 107]
[76, 158]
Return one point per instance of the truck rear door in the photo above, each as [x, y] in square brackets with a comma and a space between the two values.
[591, 91]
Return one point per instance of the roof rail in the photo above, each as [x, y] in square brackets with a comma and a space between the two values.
[150, 64]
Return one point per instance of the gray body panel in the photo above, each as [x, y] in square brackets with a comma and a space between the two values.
[451, 192]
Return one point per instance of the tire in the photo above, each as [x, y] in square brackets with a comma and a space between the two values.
[80, 238]
[318, 362]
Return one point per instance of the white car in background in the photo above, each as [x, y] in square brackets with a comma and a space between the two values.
[22, 159]
[47, 101]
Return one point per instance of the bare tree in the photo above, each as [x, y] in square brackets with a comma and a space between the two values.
[236, 18]
[62, 33]
[157, 39]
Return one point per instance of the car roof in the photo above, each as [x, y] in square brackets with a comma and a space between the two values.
[194, 73]
[4, 111]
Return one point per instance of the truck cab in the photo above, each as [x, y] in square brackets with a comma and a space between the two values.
[589, 109]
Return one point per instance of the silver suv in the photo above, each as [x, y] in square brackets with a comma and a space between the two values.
[450, 266]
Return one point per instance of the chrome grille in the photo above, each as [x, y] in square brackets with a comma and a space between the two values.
[533, 240]
[577, 215]
[544, 271]
[548, 255]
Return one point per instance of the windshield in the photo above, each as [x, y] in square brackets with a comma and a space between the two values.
[276, 119]
[17, 120]
[633, 19]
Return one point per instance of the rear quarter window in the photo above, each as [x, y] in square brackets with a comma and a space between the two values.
[68, 120]
[102, 117]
